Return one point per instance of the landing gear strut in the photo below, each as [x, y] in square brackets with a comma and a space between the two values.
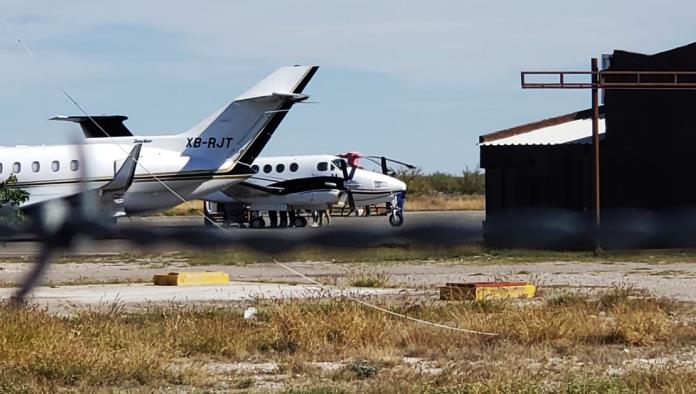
[396, 210]
[300, 221]
[257, 222]
[396, 218]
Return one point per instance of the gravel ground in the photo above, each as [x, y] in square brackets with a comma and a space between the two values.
[675, 280]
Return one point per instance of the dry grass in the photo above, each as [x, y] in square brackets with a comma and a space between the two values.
[467, 253]
[565, 344]
[445, 203]
[365, 278]
[474, 254]
[193, 207]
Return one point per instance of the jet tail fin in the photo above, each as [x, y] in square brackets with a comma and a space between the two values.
[285, 83]
[245, 125]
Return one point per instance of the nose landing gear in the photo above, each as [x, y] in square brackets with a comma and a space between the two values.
[396, 210]
[396, 218]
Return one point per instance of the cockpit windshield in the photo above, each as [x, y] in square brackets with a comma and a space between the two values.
[339, 163]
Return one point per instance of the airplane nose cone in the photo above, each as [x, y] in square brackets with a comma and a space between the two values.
[399, 185]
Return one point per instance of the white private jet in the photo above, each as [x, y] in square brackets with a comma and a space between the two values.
[133, 174]
[313, 182]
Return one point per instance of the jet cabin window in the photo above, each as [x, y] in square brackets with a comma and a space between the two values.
[55, 166]
[255, 169]
[267, 168]
[35, 166]
[323, 166]
[74, 165]
[16, 167]
[0, 167]
[280, 168]
[293, 167]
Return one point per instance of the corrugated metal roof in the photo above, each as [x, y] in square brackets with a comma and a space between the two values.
[574, 132]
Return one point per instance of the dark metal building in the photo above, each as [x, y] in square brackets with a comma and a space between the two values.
[539, 175]
[540, 168]
[649, 162]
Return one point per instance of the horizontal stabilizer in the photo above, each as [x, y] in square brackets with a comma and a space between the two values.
[292, 97]
[99, 126]
[286, 82]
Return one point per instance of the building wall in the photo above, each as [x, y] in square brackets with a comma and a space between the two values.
[541, 196]
[548, 176]
[538, 195]
[650, 148]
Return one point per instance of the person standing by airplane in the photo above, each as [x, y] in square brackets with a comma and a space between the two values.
[325, 213]
[292, 214]
[315, 218]
[283, 219]
[273, 218]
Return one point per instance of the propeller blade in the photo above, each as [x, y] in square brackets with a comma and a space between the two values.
[409, 166]
[346, 175]
[385, 169]
[344, 170]
[352, 173]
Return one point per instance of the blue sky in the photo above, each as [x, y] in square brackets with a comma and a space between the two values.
[418, 81]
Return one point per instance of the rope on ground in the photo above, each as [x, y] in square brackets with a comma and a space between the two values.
[384, 310]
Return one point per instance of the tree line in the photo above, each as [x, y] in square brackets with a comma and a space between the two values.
[470, 182]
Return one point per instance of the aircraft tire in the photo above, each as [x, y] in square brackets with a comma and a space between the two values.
[300, 221]
[396, 219]
[257, 223]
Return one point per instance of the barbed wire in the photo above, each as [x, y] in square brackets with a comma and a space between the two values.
[62, 237]
[75, 225]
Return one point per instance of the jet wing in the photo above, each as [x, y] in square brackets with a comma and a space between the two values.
[112, 193]
[266, 189]
[124, 176]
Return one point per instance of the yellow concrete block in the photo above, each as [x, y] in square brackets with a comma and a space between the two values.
[191, 279]
[486, 291]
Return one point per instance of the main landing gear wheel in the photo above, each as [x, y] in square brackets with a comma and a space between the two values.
[257, 222]
[396, 219]
[300, 221]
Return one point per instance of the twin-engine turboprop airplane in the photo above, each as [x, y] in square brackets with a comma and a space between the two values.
[134, 174]
[313, 182]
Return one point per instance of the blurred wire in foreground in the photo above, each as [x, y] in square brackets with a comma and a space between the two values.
[59, 237]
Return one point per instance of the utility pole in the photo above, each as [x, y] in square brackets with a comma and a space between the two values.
[595, 155]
